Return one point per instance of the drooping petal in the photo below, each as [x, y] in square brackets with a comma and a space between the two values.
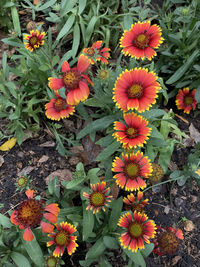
[55, 83]
[28, 235]
[46, 227]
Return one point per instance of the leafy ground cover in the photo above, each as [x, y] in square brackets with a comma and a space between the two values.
[95, 128]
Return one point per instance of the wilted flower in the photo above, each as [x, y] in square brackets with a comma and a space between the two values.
[157, 173]
[31, 212]
[135, 203]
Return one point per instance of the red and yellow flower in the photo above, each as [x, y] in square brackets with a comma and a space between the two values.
[31, 212]
[34, 40]
[131, 170]
[141, 40]
[139, 229]
[63, 238]
[136, 89]
[74, 80]
[58, 109]
[185, 100]
[99, 198]
[96, 53]
[134, 133]
[135, 204]
[166, 240]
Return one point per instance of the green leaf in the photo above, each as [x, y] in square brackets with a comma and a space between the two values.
[110, 242]
[81, 6]
[74, 183]
[165, 155]
[5, 221]
[15, 18]
[88, 223]
[92, 175]
[136, 257]
[181, 71]
[76, 39]
[108, 151]
[197, 95]
[48, 4]
[55, 60]
[34, 251]
[153, 113]
[96, 250]
[156, 142]
[128, 21]
[12, 42]
[105, 141]
[65, 29]
[56, 186]
[147, 250]
[90, 29]
[94, 102]
[19, 259]
[116, 206]
[97, 125]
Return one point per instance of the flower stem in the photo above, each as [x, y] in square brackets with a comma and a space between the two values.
[168, 181]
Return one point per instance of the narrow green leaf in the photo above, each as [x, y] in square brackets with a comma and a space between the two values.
[12, 42]
[108, 151]
[55, 60]
[116, 206]
[92, 175]
[46, 5]
[76, 39]
[197, 95]
[65, 29]
[153, 113]
[34, 251]
[74, 183]
[181, 71]
[15, 18]
[97, 125]
[19, 259]
[81, 6]
[88, 223]
[90, 29]
[96, 250]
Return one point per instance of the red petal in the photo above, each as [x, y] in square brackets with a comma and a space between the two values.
[46, 227]
[65, 66]
[50, 217]
[55, 83]
[28, 235]
[83, 63]
[13, 218]
[52, 208]
[30, 193]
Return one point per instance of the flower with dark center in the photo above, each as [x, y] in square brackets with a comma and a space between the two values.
[31, 212]
[141, 40]
[34, 40]
[134, 133]
[139, 229]
[99, 198]
[131, 170]
[185, 100]
[135, 203]
[58, 109]
[136, 89]
[166, 240]
[96, 53]
[63, 238]
[74, 80]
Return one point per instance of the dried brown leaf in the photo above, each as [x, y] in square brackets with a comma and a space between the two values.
[189, 226]
[194, 133]
[63, 175]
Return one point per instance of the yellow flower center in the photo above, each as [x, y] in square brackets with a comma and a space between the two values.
[30, 212]
[135, 229]
[51, 261]
[132, 170]
[135, 91]
[188, 100]
[97, 199]
[33, 40]
[62, 238]
[71, 79]
[131, 132]
[141, 41]
[90, 51]
[103, 74]
[22, 181]
[60, 104]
